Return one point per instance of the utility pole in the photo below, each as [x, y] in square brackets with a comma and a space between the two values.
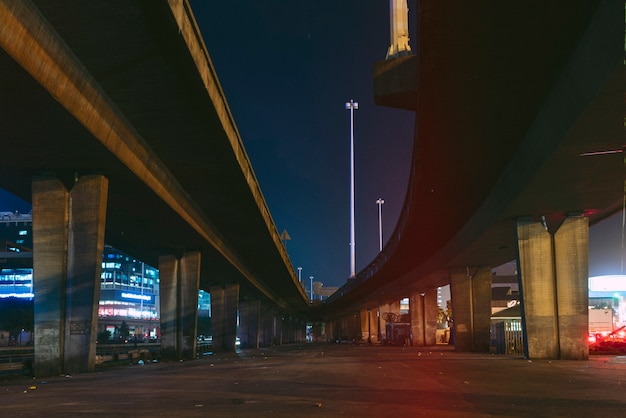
[352, 106]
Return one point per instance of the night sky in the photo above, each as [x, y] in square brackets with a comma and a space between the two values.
[287, 69]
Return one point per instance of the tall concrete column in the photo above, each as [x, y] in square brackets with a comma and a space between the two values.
[553, 274]
[537, 290]
[224, 306]
[188, 308]
[364, 320]
[385, 309]
[369, 325]
[50, 205]
[87, 219]
[168, 295]
[179, 281]
[470, 290]
[278, 329]
[330, 331]
[68, 240]
[423, 313]
[249, 321]
[571, 252]
[287, 327]
[266, 334]
[416, 311]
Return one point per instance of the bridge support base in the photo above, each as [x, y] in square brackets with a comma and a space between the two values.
[68, 241]
[553, 274]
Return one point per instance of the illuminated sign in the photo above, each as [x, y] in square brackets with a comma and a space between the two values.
[136, 297]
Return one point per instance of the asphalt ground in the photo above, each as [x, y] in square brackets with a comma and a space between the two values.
[331, 380]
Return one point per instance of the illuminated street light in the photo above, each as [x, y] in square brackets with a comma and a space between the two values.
[300, 275]
[380, 202]
[352, 106]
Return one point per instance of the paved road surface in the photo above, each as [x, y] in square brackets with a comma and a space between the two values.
[331, 380]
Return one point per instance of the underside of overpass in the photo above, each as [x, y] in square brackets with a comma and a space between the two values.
[519, 114]
[127, 90]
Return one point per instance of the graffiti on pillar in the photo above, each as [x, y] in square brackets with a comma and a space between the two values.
[79, 327]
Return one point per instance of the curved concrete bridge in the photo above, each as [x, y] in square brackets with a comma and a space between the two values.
[518, 147]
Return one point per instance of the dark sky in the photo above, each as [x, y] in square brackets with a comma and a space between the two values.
[287, 70]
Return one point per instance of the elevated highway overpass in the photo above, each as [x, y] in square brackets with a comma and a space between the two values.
[519, 121]
[117, 104]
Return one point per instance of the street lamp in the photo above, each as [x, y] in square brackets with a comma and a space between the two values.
[380, 202]
[311, 277]
[300, 275]
[352, 106]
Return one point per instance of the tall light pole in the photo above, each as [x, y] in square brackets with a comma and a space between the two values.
[380, 202]
[352, 106]
[300, 275]
[311, 277]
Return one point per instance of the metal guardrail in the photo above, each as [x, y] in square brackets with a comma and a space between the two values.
[18, 360]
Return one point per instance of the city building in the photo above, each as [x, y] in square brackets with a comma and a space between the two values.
[129, 291]
[129, 294]
[16, 273]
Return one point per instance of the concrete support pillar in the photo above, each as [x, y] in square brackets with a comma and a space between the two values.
[179, 281]
[470, 290]
[374, 325]
[537, 289]
[278, 329]
[188, 308]
[68, 240]
[224, 305]
[249, 321]
[369, 325]
[331, 335]
[342, 328]
[266, 334]
[423, 313]
[364, 321]
[50, 219]
[392, 308]
[87, 219]
[553, 274]
[571, 253]
[287, 329]
[168, 300]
